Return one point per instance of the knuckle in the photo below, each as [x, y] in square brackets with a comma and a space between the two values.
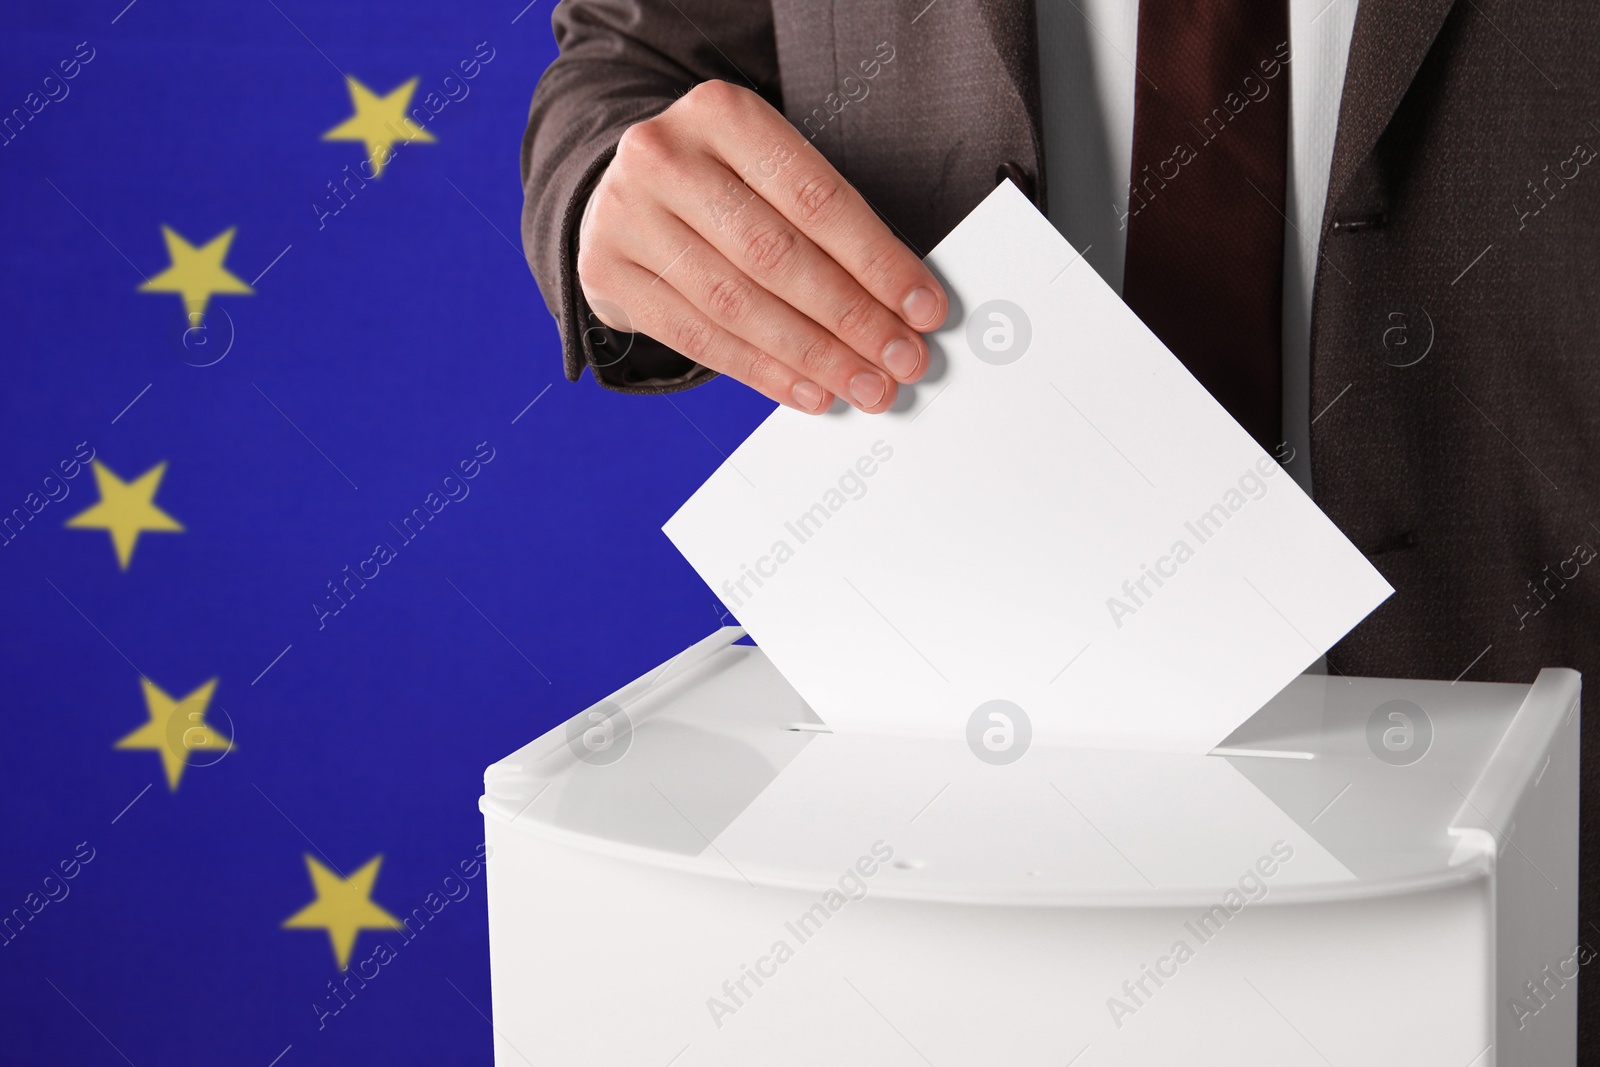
[609, 200]
[691, 335]
[760, 368]
[768, 250]
[597, 262]
[817, 198]
[595, 224]
[816, 356]
[857, 316]
[644, 142]
[591, 264]
[882, 266]
[729, 299]
[715, 97]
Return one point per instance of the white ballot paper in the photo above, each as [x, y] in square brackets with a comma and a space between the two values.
[1059, 517]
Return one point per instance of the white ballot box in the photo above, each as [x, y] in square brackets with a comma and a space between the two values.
[1369, 871]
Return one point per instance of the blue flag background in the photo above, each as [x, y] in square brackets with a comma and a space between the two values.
[301, 526]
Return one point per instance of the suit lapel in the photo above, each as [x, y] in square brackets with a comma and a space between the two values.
[1013, 32]
[1390, 41]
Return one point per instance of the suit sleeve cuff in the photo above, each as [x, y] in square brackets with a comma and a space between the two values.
[620, 361]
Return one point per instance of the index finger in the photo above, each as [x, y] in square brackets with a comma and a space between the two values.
[805, 188]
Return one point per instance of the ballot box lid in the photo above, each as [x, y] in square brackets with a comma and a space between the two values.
[1338, 788]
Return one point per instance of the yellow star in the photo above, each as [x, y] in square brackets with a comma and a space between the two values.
[196, 273]
[379, 122]
[343, 907]
[176, 728]
[127, 509]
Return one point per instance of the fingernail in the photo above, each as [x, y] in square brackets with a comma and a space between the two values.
[920, 307]
[809, 395]
[901, 358]
[868, 389]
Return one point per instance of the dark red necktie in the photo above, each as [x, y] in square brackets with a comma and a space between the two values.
[1206, 208]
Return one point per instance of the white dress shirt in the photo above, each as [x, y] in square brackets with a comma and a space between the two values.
[1086, 55]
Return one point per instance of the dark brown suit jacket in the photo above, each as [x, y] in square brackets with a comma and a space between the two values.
[1462, 218]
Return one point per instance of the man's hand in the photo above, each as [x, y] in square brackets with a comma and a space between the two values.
[721, 232]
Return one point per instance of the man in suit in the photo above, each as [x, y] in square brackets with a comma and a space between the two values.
[1376, 247]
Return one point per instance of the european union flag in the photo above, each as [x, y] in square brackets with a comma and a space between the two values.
[300, 527]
